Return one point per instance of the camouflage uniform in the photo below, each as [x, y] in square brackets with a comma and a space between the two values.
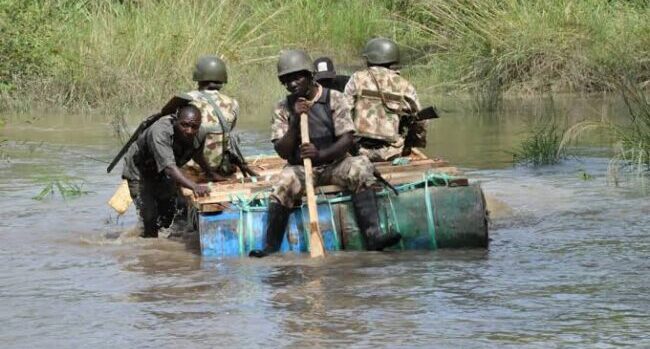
[210, 125]
[376, 122]
[353, 173]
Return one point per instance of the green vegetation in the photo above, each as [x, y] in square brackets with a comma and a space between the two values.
[109, 53]
[633, 138]
[492, 47]
[67, 187]
[542, 147]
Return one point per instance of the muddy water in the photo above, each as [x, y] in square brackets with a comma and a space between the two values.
[567, 266]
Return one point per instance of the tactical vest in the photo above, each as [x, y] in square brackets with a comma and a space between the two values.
[377, 112]
[321, 125]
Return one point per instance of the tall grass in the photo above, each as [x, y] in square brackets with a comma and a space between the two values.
[541, 148]
[492, 47]
[632, 147]
[135, 53]
[108, 53]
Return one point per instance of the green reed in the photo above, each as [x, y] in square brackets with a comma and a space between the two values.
[66, 187]
[631, 139]
[541, 147]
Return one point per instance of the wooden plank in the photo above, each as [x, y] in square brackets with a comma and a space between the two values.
[268, 166]
[215, 207]
[315, 238]
[224, 192]
[248, 183]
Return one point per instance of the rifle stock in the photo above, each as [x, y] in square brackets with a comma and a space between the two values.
[169, 108]
[143, 125]
[426, 114]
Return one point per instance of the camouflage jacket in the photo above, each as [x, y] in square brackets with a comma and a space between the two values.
[339, 106]
[210, 125]
[377, 115]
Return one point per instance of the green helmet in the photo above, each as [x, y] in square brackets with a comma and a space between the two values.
[210, 68]
[291, 61]
[381, 51]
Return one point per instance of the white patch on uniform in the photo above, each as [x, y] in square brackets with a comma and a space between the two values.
[322, 66]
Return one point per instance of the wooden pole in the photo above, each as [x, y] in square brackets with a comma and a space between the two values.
[315, 239]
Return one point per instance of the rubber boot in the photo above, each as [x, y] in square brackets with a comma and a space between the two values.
[278, 219]
[366, 211]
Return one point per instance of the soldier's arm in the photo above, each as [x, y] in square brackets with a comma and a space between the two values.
[176, 174]
[286, 145]
[235, 112]
[350, 90]
[160, 141]
[336, 151]
[285, 129]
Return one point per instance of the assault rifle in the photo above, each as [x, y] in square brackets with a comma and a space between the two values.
[169, 108]
[236, 157]
[424, 114]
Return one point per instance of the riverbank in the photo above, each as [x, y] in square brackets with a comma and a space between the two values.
[116, 55]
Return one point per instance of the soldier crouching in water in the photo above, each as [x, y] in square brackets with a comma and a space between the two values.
[151, 166]
[218, 112]
[380, 98]
[331, 133]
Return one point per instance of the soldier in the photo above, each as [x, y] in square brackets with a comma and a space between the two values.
[331, 133]
[151, 166]
[326, 74]
[219, 112]
[380, 96]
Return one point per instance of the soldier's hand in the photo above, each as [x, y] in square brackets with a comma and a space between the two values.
[309, 151]
[201, 190]
[302, 105]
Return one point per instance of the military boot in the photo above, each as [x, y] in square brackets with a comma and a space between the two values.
[366, 211]
[277, 224]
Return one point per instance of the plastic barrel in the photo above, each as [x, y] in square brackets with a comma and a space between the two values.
[427, 217]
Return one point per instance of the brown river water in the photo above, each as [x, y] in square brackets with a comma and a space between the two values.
[567, 265]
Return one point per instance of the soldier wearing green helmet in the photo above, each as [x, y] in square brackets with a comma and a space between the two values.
[380, 98]
[331, 133]
[219, 112]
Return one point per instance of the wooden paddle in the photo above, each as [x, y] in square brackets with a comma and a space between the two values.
[315, 239]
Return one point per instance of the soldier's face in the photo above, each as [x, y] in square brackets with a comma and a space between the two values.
[298, 83]
[187, 126]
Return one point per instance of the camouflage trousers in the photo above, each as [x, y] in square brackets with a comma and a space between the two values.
[354, 174]
[382, 154]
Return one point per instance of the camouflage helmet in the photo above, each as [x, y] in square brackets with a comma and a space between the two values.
[210, 68]
[292, 61]
[381, 51]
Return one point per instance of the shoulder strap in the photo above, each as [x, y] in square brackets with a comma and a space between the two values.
[381, 94]
[217, 112]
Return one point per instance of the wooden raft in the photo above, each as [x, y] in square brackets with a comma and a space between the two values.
[268, 166]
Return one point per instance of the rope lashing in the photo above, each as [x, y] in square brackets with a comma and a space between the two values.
[431, 226]
[336, 234]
